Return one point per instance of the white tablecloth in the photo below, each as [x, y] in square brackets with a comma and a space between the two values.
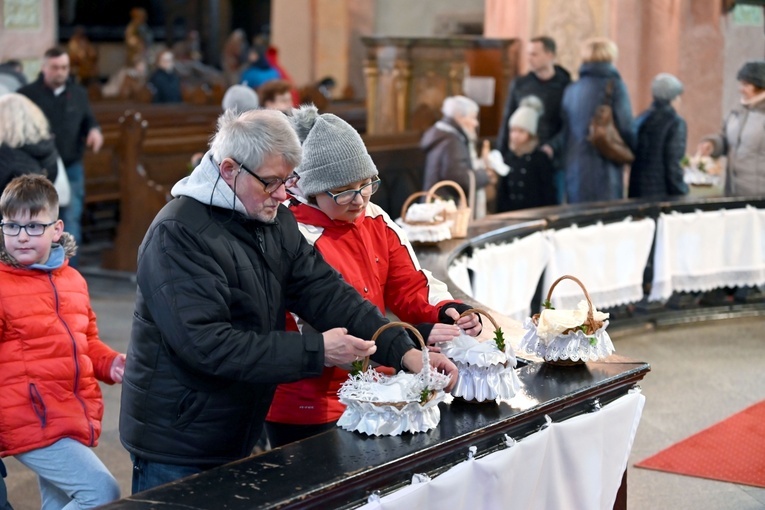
[700, 251]
[506, 275]
[608, 259]
[576, 464]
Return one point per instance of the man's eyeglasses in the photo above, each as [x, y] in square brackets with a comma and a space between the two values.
[272, 185]
[348, 196]
[32, 229]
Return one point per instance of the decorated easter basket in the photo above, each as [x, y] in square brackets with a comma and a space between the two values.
[568, 337]
[460, 217]
[383, 405]
[486, 368]
[426, 222]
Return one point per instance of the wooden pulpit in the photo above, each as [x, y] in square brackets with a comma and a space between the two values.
[407, 79]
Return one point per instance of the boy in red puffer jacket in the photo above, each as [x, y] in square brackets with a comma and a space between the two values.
[50, 354]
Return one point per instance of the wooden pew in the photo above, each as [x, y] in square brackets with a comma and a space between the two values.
[401, 164]
[149, 168]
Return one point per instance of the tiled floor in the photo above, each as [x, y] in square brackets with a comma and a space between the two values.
[701, 373]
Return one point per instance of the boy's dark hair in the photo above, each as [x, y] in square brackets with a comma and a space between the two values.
[548, 43]
[270, 89]
[54, 52]
[30, 192]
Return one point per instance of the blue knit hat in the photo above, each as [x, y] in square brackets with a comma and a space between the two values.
[666, 87]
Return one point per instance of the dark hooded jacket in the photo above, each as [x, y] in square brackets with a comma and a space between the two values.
[550, 92]
[208, 344]
[69, 115]
[34, 158]
[661, 139]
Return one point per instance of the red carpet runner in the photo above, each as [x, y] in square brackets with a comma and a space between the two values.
[732, 450]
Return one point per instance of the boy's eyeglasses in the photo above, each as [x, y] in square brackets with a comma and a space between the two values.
[32, 229]
[272, 185]
[348, 196]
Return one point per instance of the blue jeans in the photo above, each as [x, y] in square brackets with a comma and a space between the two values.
[72, 214]
[70, 476]
[148, 474]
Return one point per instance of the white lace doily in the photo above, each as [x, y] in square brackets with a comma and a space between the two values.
[370, 396]
[426, 233]
[485, 372]
[576, 346]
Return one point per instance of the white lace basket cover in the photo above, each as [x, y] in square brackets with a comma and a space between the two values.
[486, 373]
[568, 336]
[382, 405]
[426, 222]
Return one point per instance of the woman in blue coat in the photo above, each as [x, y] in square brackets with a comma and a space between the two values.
[589, 176]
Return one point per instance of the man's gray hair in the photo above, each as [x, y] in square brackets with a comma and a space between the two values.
[458, 106]
[249, 137]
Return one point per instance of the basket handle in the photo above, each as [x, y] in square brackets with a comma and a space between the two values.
[578, 282]
[482, 312]
[409, 201]
[393, 325]
[432, 191]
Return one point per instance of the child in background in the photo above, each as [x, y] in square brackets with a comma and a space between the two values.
[528, 179]
[50, 353]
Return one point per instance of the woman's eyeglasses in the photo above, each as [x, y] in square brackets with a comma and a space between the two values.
[32, 229]
[348, 196]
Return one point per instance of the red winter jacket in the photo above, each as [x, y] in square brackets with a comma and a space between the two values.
[371, 255]
[50, 358]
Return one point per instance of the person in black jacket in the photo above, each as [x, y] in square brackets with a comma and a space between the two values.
[26, 145]
[67, 108]
[218, 268]
[165, 83]
[547, 81]
[661, 138]
[528, 179]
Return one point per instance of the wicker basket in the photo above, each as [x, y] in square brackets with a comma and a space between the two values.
[589, 327]
[380, 417]
[424, 232]
[487, 371]
[460, 217]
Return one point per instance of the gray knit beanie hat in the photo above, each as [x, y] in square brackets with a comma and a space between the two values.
[333, 153]
[666, 87]
[240, 98]
[753, 72]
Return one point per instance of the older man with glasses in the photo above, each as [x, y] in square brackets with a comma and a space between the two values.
[218, 268]
[358, 239]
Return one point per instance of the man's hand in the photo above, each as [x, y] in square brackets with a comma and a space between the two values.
[547, 150]
[469, 323]
[441, 333]
[117, 371]
[95, 139]
[412, 361]
[340, 348]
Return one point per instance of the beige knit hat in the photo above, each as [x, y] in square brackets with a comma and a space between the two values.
[527, 115]
[333, 153]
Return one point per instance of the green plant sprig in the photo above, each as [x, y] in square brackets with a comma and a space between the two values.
[356, 366]
[499, 339]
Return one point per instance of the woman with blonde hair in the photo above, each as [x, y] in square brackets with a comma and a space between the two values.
[26, 144]
[589, 175]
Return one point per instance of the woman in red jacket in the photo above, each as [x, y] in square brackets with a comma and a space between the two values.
[356, 237]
